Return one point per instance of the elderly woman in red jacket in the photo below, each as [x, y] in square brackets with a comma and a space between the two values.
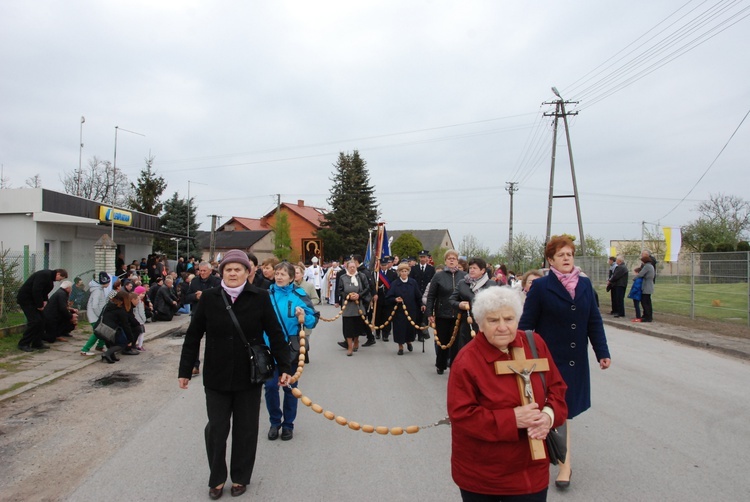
[491, 457]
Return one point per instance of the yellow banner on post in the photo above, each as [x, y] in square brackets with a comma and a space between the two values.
[673, 238]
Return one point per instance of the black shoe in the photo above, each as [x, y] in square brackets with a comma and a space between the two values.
[617, 316]
[343, 345]
[369, 343]
[114, 356]
[215, 493]
[273, 433]
[41, 346]
[410, 347]
[131, 352]
[440, 372]
[25, 348]
[385, 338]
[107, 359]
[238, 490]
[377, 336]
[401, 352]
[564, 484]
[287, 434]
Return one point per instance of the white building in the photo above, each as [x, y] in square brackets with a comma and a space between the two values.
[48, 229]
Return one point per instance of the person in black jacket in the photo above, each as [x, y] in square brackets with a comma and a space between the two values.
[386, 277]
[59, 319]
[462, 298]
[32, 297]
[423, 273]
[618, 284]
[438, 308]
[116, 315]
[230, 397]
[165, 303]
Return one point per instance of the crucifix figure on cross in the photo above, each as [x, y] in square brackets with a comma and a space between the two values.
[523, 368]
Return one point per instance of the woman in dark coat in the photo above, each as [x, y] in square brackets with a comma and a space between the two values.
[561, 307]
[438, 307]
[404, 291]
[226, 370]
[463, 297]
[116, 315]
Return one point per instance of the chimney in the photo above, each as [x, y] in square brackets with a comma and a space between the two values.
[300, 203]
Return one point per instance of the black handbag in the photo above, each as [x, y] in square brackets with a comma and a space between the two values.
[557, 438]
[105, 333]
[262, 364]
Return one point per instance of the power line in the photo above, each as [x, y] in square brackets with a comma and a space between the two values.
[709, 166]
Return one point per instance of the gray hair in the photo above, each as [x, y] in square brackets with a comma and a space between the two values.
[66, 284]
[493, 299]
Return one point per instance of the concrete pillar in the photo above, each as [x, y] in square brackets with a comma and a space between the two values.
[105, 251]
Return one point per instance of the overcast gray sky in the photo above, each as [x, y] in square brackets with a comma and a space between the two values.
[443, 99]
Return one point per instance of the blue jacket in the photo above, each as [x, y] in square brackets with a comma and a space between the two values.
[567, 325]
[636, 289]
[285, 301]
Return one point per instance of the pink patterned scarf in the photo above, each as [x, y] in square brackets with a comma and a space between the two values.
[569, 281]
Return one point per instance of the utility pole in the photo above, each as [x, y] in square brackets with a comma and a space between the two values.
[511, 187]
[212, 242]
[561, 112]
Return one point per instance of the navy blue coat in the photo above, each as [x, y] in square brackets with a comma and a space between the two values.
[567, 325]
[403, 331]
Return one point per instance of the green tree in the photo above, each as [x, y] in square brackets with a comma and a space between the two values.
[406, 245]
[528, 253]
[174, 221]
[148, 190]
[354, 210]
[594, 246]
[470, 247]
[282, 241]
[9, 281]
[723, 222]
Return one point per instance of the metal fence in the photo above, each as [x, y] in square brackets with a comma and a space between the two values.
[16, 267]
[699, 285]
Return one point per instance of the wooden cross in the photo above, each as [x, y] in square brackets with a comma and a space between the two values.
[523, 368]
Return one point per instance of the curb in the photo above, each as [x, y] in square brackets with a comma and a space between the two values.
[77, 366]
[701, 344]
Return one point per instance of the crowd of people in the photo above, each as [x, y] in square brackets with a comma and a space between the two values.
[479, 315]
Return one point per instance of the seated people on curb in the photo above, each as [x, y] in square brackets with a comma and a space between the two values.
[165, 303]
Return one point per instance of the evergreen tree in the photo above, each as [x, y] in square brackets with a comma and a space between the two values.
[174, 221]
[147, 192]
[282, 241]
[406, 245]
[354, 210]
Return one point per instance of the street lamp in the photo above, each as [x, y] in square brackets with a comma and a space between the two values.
[114, 179]
[80, 158]
[176, 247]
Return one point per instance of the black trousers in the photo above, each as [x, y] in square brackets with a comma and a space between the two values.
[243, 407]
[381, 316]
[648, 312]
[468, 496]
[444, 327]
[619, 300]
[32, 335]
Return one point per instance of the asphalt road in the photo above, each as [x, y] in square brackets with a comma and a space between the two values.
[669, 422]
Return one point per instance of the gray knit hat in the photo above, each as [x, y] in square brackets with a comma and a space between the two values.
[234, 256]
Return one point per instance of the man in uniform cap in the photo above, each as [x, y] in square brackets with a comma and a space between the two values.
[387, 276]
[422, 273]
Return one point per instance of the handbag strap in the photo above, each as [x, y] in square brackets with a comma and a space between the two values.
[535, 355]
[234, 318]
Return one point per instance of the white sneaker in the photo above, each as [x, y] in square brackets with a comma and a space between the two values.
[88, 353]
